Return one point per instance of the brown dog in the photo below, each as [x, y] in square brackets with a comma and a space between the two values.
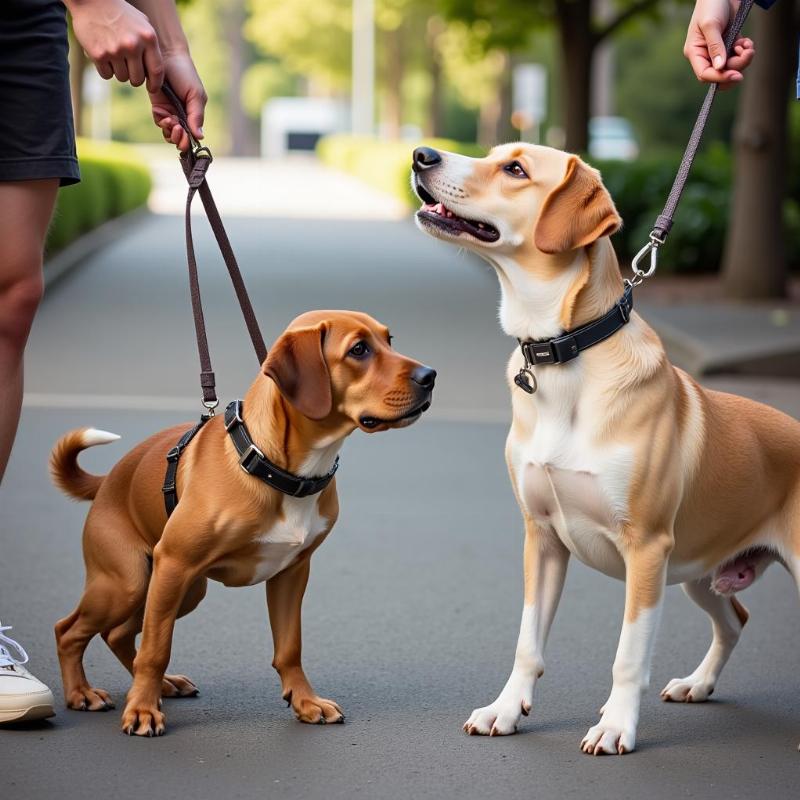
[330, 373]
[616, 457]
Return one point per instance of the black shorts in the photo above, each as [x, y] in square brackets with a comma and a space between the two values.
[37, 136]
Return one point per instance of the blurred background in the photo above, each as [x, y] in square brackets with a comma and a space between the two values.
[359, 83]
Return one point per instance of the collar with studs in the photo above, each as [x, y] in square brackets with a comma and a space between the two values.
[255, 463]
[568, 345]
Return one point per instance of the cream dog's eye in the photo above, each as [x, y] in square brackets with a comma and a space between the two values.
[515, 169]
[359, 350]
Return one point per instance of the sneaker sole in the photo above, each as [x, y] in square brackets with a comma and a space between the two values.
[28, 714]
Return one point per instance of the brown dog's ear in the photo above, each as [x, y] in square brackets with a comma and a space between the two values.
[297, 365]
[577, 212]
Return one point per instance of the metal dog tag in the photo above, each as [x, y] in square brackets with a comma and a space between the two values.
[523, 379]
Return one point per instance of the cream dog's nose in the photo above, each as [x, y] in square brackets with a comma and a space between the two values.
[425, 158]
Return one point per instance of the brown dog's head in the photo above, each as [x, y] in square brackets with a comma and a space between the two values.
[519, 198]
[339, 367]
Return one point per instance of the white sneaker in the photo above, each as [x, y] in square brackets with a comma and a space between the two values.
[22, 697]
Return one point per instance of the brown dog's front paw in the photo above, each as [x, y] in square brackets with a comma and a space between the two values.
[142, 719]
[314, 710]
[178, 686]
[89, 699]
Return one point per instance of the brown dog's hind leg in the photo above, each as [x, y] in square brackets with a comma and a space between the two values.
[284, 600]
[122, 642]
[728, 617]
[105, 604]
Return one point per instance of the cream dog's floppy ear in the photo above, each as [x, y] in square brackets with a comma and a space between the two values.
[577, 212]
[297, 365]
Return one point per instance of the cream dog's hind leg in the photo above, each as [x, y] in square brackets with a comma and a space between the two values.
[545, 562]
[646, 569]
[728, 617]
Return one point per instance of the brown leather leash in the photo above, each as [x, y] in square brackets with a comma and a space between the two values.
[195, 163]
[663, 223]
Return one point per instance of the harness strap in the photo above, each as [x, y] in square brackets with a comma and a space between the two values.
[173, 457]
[255, 463]
[195, 164]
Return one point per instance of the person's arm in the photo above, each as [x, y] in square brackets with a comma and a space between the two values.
[179, 70]
[705, 47]
[143, 44]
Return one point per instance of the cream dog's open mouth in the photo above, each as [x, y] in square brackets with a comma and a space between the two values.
[437, 215]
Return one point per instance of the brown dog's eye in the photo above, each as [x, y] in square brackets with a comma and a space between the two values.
[515, 169]
[359, 350]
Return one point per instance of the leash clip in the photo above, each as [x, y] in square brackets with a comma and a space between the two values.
[651, 247]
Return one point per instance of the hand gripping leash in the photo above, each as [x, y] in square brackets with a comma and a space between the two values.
[664, 220]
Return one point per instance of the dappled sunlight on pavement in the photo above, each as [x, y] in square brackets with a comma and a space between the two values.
[297, 186]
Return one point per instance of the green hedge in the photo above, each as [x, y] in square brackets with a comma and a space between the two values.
[639, 189]
[113, 182]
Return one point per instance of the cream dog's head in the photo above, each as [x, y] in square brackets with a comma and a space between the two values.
[520, 200]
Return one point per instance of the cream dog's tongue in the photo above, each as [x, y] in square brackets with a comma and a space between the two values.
[734, 576]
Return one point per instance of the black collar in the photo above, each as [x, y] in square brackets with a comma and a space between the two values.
[567, 346]
[255, 463]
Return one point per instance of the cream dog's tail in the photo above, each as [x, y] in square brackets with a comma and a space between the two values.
[64, 469]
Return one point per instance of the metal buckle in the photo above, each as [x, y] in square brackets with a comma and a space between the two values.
[237, 417]
[539, 352]
[168, 488]
[174, 454]
[251, 451]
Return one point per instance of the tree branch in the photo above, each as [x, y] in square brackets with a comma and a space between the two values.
[631, 11]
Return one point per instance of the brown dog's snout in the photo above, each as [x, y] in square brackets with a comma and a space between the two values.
[425, 158]
[424, 376]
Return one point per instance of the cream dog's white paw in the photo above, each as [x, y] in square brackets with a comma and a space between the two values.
[615, 734]
[610, 739]
[691, 689]
[502, 717]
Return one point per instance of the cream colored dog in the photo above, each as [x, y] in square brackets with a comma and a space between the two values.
[618, 458]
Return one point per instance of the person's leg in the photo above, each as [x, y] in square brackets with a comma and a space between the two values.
[26, 208]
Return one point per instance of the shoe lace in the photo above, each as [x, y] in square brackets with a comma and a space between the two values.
[6, 657]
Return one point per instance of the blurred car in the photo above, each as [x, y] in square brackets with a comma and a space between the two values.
[612, 138]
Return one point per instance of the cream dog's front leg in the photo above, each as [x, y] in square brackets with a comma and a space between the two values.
[545, 566]
[645, 578]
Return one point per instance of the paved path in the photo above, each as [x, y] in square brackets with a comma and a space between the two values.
[412, 610]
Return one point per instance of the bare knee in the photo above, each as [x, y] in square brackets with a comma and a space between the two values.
[21, 288]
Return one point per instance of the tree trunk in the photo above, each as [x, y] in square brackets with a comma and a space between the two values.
[233, 19]
[393, 108]
[754, 264]
[577, 46]
[489, 122]
[434, 124]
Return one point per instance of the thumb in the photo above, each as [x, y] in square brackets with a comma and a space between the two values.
[195, 113]
[716, 47]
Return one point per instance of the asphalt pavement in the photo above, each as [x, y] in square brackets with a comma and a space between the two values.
[412, 611]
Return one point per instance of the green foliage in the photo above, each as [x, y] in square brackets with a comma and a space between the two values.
[358, 155]
[656, 90]
[113, 182]
[695, 244]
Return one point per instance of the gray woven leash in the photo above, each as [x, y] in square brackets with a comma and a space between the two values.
[664, 220]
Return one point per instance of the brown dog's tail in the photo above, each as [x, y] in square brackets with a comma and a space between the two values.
[64, 469]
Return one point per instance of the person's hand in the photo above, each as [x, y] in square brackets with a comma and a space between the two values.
[180, 71]
[120, 40]
[705, 47]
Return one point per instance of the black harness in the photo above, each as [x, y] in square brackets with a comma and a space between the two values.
[251, 459]
[568, 345]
